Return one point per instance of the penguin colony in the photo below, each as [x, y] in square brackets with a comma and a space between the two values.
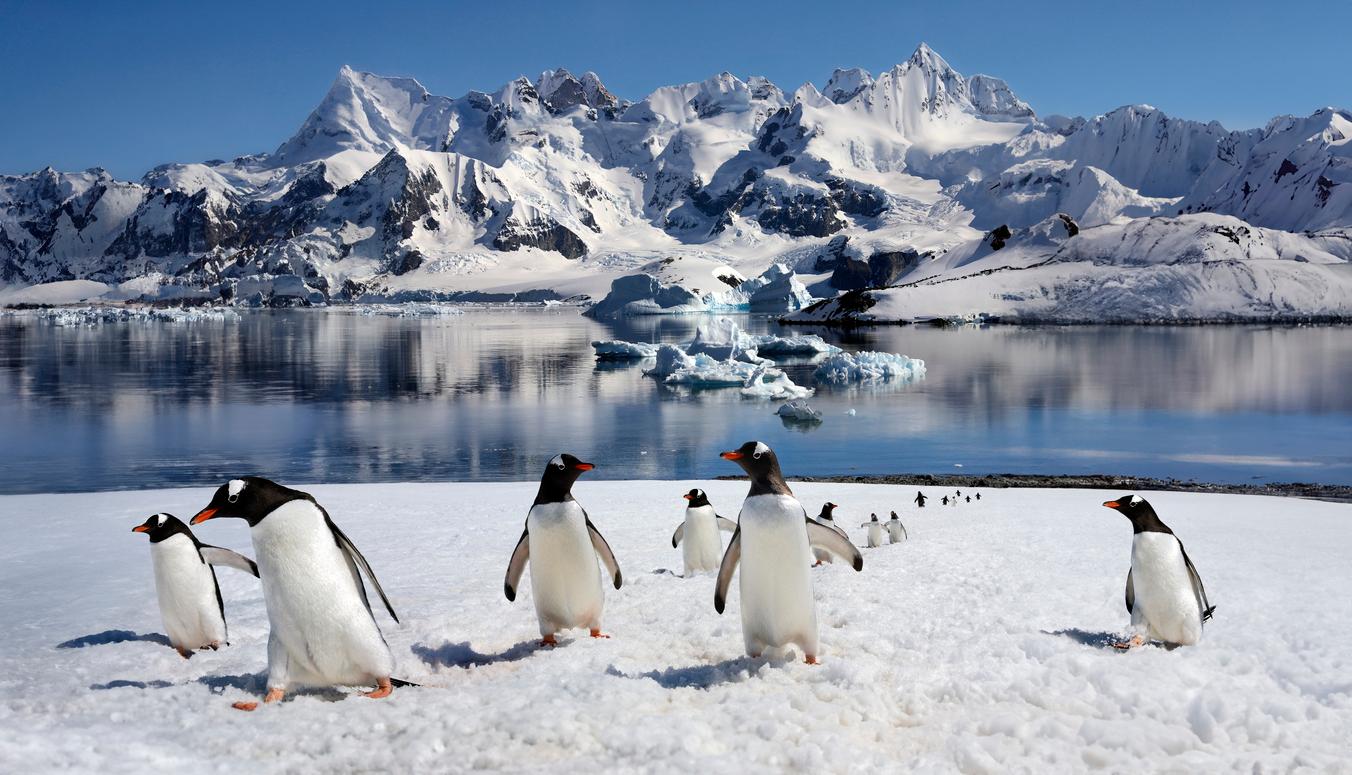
[323, 629]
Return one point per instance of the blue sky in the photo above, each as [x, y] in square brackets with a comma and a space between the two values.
[127, 86]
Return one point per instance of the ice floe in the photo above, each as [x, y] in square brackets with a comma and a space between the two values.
[96, 315]
[844, 368]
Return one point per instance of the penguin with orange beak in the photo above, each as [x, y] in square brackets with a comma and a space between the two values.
[562, 547]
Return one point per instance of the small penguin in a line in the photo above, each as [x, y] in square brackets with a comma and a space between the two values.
[323, 631]
[896, 532]
[185, 583]
[1165, 595]
[703, 547]
[562, 547]
[875, 532]
[773, 533]
[827, 517]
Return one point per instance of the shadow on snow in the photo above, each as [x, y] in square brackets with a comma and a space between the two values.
[698, 676]
[114, 636]
[463, 655]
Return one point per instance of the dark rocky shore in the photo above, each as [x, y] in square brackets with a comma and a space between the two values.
[1117, 485]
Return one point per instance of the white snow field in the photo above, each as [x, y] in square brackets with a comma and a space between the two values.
[976, 646]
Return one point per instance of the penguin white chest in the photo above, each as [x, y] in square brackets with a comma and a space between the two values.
[776, 585]
[894, 533]
[322, 632]
[186, 589]
[565, 577]
[701, 546]
[875, 534]
[1165, 604]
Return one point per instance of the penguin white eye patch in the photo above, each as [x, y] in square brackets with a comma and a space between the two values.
[557, 462]
[233, 489]
[761, 449]
[159, 520]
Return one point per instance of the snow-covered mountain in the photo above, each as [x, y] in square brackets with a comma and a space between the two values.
[553, 187]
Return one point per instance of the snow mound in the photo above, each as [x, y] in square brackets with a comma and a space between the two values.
[798, 411]
[619, 350]
[848, 368]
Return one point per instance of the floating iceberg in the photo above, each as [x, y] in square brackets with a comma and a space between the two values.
[778, 289]
[805, 344]
[658, 291]
[798, 411]
[773, 384]
[92, 316]
[701, 371]
[847, 368]
[409, 310]
[618, 350]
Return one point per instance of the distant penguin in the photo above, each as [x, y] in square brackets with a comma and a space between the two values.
[1165, 595]
[821, 555]
[562, 546]
[323, 632]
[896, 532]
[978, 496]
[185, 583]
[875, 532]
[944, 500]
[773, 533]
[703, 548]
[920, 499]
[959, 493]
[969, 499]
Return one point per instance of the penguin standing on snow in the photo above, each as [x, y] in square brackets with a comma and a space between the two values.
[185, 583]
[875, 532]
[562, 546]
[323, 632]
[773, 533]
[703, 546]
[1165, 596]
[896, 532]
[827, 517]
[944, 500]
[920, 499]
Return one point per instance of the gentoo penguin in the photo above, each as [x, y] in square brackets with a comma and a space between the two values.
[920, 499]
[323, 632]
[773, 532]
[978, 496]
[703, 546]
[944, 500]
[1165, 596]
[896, 532]
[875, 532]
[827, 517]
[185, 583]
[562, 546]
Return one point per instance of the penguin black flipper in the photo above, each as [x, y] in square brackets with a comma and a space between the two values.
[726, 524]
[1198, 590]
[215, 555]
[821, 536]
[678, 535]
[731, 557]
[1131, 594]
[517, 565]
[355, 560]
[603, 551]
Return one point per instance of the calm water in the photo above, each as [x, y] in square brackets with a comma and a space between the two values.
[334, 396]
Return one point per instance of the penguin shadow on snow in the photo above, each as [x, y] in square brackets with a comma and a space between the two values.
[700, 676]
[1098, 640]
[256, 684]
[130, 685]
[464, 655]
[114, 636]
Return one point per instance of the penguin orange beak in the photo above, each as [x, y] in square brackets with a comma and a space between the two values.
[583, 466]
[1111, 504]
[686, 496]
[203, 516]
[732, 455]
[140, 529]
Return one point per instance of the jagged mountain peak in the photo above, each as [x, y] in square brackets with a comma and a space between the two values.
[847, 82]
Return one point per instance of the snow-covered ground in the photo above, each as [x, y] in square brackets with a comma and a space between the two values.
[976, 646]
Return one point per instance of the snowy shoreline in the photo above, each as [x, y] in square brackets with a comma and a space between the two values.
[976, 646]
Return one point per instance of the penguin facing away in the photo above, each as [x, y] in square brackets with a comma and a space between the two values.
[703, 548]
[1164, 594]
[821, 555]
[875, 532]
[773, 532]
[562, 546]
[323, 631]
[185, 583]
[920, 499]
[896, 532]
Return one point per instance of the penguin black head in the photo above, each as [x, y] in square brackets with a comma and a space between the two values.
[828, 511]
[697, 498]
[1139, 511]
[761, 464]
[249, 499]
[556, 485]
[161, 526]
[894, 515]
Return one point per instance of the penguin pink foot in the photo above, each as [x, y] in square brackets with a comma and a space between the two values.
[811, 659]
[1124, 645]
[273, 695]
[548, 641]
[598, 634]
[183, 653]
[382, 690]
